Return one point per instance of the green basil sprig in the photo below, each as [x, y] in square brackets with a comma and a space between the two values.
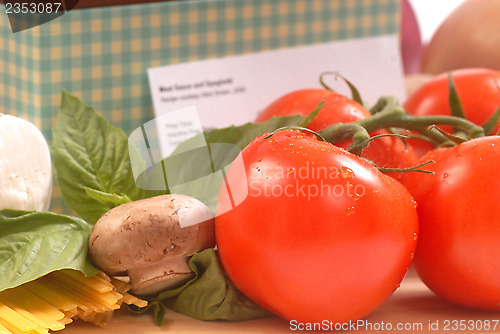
[33, 244]
[88, 152]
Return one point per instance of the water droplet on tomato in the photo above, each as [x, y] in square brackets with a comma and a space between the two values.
[291, 171]
[415, 236]
[412, 256]
[351, 210]
[415, 204]
[346, 172]
[259, 160]
[445, 175]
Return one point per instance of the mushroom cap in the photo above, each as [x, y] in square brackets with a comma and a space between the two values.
[144, 232]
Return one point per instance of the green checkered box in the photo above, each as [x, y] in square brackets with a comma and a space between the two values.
[101, 54]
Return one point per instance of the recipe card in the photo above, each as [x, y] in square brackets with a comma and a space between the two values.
[232, 90]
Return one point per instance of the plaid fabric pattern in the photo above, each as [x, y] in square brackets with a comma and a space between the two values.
[101, 54]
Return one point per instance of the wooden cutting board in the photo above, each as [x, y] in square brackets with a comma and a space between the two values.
[412, 305]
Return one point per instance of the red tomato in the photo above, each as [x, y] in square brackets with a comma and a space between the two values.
[458, 252]
[384, 152]
[337, 107]
[477, 88]
[321, 235]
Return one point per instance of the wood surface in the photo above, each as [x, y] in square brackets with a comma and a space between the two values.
[413, 303]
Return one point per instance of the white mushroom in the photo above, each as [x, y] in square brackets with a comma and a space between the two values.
[145, 240]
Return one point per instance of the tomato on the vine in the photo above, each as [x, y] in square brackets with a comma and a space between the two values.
[478, 90]
[458, 251]
[337, 107]
[321, 234]
[384, 152]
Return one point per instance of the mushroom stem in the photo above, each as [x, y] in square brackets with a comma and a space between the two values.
[166, 274]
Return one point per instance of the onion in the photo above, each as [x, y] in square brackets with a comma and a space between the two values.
[411, 41]
[469, 37]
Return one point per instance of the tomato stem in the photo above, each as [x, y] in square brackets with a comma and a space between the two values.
[455, 138]
[309, 118]
[453, 99]
[393, 116]
[409, 169]
[339, 132]
[354, 91]
[384, 103]
[398, 118]
[490, 124]
[358, 147]
[298, 128]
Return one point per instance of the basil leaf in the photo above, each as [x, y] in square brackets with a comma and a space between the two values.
[210, 295]
[33, 244]
[88, 151]
[244, 134]
[110, 200]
